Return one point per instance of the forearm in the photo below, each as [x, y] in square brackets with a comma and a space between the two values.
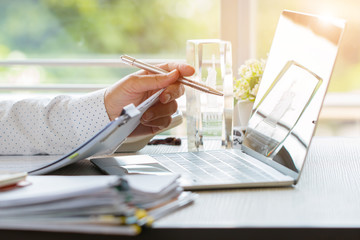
[50, 126]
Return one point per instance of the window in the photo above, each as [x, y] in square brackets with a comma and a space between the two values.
[64, 41]
[74, 45]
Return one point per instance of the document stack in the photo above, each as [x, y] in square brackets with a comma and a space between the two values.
[107, 204]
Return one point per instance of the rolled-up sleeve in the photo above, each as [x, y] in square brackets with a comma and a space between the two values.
[50, 126]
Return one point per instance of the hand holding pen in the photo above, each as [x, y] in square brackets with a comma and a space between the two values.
[186, 81]
[135, 88]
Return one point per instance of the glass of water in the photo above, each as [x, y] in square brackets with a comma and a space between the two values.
[209, 117]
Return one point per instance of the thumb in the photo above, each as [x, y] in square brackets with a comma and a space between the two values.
[155, 81]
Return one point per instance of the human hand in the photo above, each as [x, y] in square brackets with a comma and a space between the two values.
[137, 87]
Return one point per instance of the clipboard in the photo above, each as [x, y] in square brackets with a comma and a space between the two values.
[107, 140]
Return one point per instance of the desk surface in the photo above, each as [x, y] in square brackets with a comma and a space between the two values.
[325, 203]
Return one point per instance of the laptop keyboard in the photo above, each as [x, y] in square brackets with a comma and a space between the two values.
[214, 166]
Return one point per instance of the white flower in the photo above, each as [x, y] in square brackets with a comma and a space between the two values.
[255, 90]
[247, 86]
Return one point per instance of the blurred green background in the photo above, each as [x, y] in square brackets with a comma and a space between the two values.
[98, 29]
[158, 29]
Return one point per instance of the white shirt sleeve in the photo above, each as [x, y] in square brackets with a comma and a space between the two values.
[50, 126]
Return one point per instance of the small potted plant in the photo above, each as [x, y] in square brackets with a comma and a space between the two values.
[245, 89]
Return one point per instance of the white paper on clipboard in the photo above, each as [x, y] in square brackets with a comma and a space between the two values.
[106, 141]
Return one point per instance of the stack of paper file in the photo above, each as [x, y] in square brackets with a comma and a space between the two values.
[78, 202]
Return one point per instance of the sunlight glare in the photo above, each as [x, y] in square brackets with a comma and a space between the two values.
[327, 16]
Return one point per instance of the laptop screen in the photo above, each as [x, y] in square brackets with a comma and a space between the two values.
[292, 89]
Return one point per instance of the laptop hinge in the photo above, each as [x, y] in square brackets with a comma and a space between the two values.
[270, 162]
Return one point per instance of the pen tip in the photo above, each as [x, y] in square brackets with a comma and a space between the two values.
[217, 93]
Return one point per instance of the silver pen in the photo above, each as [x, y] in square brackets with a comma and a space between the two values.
[150, 68]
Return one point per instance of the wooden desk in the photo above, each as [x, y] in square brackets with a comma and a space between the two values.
[324, 205]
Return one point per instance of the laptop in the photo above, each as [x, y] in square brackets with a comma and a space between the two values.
[283, 120]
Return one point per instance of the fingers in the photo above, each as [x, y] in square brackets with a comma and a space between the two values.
[142, 83]
[157, 115]
[159, 123]
[137, 87]
[144, 130]
[172, 92]
[152, 127]
[184, 69]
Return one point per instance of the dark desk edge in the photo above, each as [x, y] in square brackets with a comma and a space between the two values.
[196, 233]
